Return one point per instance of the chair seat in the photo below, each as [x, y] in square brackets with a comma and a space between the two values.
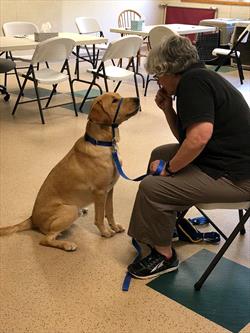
[6, 65]
[224, 205]
[49, 76]
[115, 73]
[224, 52]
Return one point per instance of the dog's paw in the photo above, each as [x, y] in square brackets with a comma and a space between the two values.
[117, 228]
[69, 246]
[108, 233]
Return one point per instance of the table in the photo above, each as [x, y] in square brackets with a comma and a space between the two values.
[9, 43]
[182, 29]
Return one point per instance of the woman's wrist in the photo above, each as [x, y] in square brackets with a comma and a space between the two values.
[168, 169]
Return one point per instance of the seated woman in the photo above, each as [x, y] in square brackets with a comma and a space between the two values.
[211, 162]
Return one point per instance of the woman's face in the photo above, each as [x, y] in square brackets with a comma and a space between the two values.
[169, 82]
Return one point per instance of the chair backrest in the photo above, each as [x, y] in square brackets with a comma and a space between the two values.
[156, 34]
[126, 16]
[206, 43]
[87, 25]
[53, 49]
[243, 37]
[124, 47]
[19, 28]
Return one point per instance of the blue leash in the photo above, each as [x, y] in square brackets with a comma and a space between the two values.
[119, 167]
[128, 276]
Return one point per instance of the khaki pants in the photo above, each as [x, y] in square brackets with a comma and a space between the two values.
[159, 198]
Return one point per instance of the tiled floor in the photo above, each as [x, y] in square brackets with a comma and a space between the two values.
[45, 290]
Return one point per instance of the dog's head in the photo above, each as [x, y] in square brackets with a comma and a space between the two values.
[104, 108]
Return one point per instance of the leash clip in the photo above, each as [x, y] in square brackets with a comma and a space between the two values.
[114, 145]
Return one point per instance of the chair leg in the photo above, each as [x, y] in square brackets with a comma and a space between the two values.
[146, 85]
[37, 96]
[51, 95]
[86, 95]
[243, 230]
[220, 254]
[221, 62]
[212, 223]
[21, 91]
[135, 79]
[71, 88]
[239, 67]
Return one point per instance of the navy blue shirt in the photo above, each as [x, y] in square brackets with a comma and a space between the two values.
[205, 96]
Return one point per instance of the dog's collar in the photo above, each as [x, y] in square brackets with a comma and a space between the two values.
[95, 142]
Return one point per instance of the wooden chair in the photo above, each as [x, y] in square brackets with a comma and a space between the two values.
[124, 21]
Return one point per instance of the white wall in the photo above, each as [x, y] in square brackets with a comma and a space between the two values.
[61, 13]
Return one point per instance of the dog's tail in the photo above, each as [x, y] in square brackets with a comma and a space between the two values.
[25, 225]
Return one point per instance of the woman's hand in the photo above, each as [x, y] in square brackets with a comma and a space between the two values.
[153, 167]
[163, 100]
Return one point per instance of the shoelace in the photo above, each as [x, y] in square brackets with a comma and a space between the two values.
[150, 261]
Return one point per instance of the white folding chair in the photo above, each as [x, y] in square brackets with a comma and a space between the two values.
[55, 49]
[225, 54]
[19, 29]
[125, 47]
[155, 36]
[244, 214]
[89, 25]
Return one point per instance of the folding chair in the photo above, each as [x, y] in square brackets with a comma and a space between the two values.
[244, 214]
[89, 25]
[19, 29]
[55, 49]
[224, 54]
[125, 47]
[155, 36]
[205, 43]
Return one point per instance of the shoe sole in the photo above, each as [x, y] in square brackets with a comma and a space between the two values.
[156, 274]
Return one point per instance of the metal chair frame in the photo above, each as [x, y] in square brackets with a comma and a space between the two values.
[244, 215]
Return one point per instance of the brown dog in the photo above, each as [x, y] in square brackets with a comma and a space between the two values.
[85, 175]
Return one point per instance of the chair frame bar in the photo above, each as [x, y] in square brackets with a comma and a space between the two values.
[30, 75]
[239, 229]
[219, 255]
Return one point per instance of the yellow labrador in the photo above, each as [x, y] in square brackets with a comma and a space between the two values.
[85, 175]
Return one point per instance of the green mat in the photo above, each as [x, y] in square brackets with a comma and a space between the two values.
[225, 296]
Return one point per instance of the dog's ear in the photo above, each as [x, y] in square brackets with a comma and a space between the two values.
[98, 113]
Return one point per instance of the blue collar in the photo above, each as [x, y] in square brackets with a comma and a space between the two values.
[98, 142]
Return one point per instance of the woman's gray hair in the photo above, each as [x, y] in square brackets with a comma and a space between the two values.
[173, 55]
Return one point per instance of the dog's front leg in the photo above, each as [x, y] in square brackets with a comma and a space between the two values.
[100, 202]
[109, 213]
